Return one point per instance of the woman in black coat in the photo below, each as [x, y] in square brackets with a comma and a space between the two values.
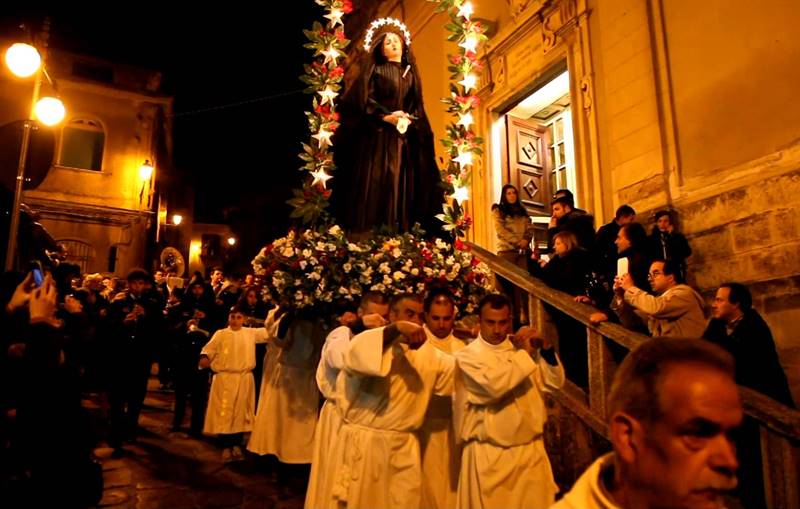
[568, 271]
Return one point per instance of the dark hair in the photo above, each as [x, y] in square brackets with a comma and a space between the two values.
[438, 294]
[635, 387]
[138, 275]
[237, 309]
[739, 295]
[218, 268]
[510, 209]
[372, 297]
[377, 49]
[495, 301]
[567, 194]
[624, 210]
[662, 213]
[671, 268]
[397, 299]
[563, 201]
[636, 235]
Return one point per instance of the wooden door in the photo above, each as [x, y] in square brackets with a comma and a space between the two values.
[528, 164]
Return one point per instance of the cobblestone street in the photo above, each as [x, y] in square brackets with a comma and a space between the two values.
[167, 470]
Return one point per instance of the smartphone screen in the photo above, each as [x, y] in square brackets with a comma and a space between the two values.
[545, 257]
[622, 266]
[38, 277]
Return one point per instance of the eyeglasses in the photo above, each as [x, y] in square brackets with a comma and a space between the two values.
[654, 274]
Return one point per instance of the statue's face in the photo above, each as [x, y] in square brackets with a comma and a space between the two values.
[393, 47]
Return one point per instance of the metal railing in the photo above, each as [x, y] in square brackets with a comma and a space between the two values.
[779, 425]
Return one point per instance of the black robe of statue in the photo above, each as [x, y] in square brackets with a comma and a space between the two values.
[391, 179]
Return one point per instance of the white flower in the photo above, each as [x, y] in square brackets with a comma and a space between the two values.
[450, 260]
[398, 275]
[320, 246]
[387, 280]
[297, 282]
[313, 260]
[330, 247]
[440, 244]
[343, 290]
[314, 276]
[456, 267]
[306, 253]
[335, 230]
[396, 252]
[303, 264]
[353, 247]
[428, 271]
[347, 267]
[378, 288]
[415, 271]
[287, 252]
[384, 268]
[298, 295]
[421, 287]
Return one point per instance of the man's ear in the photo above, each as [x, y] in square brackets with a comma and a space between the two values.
[624, 436]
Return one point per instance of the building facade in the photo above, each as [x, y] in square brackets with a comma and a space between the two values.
[95, 199]
[653, 103]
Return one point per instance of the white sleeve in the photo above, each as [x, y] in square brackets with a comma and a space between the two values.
[366, 355]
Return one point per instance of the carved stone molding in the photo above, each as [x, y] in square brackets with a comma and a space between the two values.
[556, 21]
[515, 7]
[586, 93]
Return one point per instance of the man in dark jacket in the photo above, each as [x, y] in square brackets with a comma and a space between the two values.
[135, 318]
[565, 218]
[605, 242]
[739, 329]
[665, 243]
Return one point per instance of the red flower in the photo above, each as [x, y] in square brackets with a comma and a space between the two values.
[460, 245]
[323, 110]
[470, 277]
[475, 262]
[337, 71]
[347, 6]
[340, 35]
[456, 59]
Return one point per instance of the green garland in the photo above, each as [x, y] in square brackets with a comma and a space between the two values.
[323, 77]
[461, 143]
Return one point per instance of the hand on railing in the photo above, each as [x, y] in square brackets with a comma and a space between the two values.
[583, 299]
[598, 318]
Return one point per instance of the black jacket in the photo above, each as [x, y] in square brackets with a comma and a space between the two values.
[753, 349]
[582, 225]
[567, 273]
[668, 246]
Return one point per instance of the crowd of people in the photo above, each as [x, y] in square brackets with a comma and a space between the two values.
[68, 337]
[640, 281]
[396, 404]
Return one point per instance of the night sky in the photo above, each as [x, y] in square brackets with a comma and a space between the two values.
[242, 159]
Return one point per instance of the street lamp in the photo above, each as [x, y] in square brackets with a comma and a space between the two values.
[177, 219]
[231, 241]
[25, 60]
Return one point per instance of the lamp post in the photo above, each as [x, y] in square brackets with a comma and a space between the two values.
[24, 60]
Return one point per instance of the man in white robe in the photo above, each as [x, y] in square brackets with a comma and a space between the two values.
[441, 456]
[499, 413]
[372, 312]
[289, 399]
[231, 355]
[383, 395]
[674, 411]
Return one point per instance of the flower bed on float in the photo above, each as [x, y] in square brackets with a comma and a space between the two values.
[321, 270]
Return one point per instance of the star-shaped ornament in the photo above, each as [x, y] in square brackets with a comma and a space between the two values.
[335, 17]
[466, 120]
[464, 158]
[324, 138]
[466, 10]
[327, 95]
[320, 177]
[468, 82]
[470, 43]
[331, 54]
[460, 195]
